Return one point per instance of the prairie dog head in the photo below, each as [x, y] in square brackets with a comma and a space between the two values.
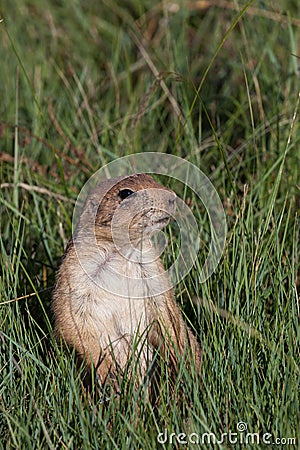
[128, 209]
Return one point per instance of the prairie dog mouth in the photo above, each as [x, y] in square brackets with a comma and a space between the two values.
[163, 220]
[160, 219]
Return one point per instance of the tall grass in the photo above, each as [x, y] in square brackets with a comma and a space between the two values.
[83, 83]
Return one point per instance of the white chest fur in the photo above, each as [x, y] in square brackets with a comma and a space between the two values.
[111, 294]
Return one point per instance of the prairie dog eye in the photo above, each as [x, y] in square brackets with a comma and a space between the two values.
[124, 193]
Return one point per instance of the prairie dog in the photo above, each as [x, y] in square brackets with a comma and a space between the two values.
[112, 296]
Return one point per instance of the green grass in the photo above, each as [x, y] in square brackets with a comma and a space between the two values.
[83, 83]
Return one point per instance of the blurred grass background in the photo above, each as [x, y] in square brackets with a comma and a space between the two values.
[215, 82]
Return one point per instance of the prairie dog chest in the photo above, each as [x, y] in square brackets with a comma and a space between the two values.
[120, 290]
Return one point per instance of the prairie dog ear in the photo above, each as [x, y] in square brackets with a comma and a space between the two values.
[94, 199]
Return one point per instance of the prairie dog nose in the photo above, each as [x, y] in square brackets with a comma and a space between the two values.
[172, 200]
[172, 197]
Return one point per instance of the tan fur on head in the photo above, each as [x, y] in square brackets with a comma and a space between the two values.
[111, 286]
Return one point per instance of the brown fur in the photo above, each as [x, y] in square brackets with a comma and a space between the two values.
[103, 325]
